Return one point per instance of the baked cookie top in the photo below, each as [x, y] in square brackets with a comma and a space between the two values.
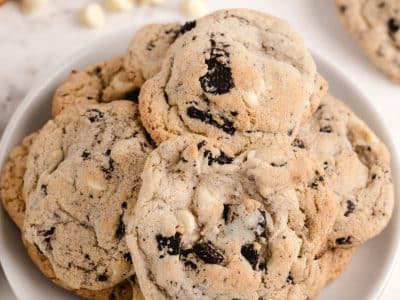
[82, 179]
[125, 290]
[376, 24]
[211, 225]
[236, 76]
[149, 46]
[357, 168]
[12, 180]
[102, 82]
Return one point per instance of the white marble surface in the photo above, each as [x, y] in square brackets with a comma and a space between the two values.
[32, 45]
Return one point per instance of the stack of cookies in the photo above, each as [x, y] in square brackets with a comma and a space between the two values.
[208, 162]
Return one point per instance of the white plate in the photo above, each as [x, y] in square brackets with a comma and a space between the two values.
[365, 278]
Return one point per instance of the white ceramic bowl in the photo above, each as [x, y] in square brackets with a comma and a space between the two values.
[365, 278]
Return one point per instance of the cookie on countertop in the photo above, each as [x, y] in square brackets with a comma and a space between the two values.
[357, 168]
[237, 76]
[102, 82]
[376, 24]
[226, 227]
[12, 180]
[81, 182]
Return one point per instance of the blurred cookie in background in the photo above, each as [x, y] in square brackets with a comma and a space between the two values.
[376, 24]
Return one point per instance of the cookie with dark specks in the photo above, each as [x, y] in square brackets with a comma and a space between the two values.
[212, 225]
[12, 180]
[102, 82]
[149, 46]
[357, 168]
[376, 24]
[81, 182]
[238, 76]
[126, 290]
[331, 265]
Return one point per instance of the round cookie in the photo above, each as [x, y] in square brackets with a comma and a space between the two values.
[81, 182]
[149, 46]
[126, 290]
[101, 82]
[331, 265]
[14, 203]
[224, 227]
[237, 76]
[376, 24]
[12, 180]
[357, 168]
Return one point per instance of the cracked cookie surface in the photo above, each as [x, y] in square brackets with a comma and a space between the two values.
[102, 82]
[357, 168]
[12, 180]
[125, 290]
[238, 76]
[376, 24]
[82, 179]
[248, 227]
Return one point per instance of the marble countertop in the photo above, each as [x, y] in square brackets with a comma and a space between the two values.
[32, 45]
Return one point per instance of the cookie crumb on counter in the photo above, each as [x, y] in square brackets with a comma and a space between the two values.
[93, 15]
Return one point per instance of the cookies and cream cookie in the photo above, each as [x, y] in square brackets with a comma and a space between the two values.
[238, 76]
[357, 168]
[211, 225]
[12, 180]
[81, 182]
[376, 24]
[102, 82]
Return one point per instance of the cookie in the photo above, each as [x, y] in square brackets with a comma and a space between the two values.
[149, 46]
[238, 76]
[126, 290]
[12, 180]
[331, 265]
[101, 82]
[357, 168]
[376, 24]
[209, 225]
[81, 182]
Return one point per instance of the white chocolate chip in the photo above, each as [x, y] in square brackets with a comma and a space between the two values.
[151, 2]
[29, 6]
[119, 5]
[251, 155]
[94, 185]
[186, 219]
[208, 206]
[157, 2]
[251, 99]
[194, 8]
[93, 15]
